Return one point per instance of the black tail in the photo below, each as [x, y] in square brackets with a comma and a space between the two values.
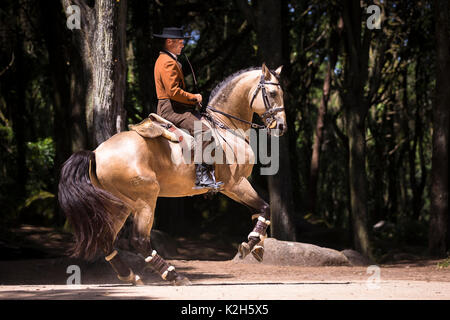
[91, 211]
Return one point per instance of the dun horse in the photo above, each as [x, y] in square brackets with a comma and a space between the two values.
[126, 174]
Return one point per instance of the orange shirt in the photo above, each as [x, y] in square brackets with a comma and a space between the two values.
[169, 80]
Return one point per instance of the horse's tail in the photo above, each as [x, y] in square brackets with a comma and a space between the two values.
[91, 211]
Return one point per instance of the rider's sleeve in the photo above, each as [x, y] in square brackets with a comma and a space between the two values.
[173, 84]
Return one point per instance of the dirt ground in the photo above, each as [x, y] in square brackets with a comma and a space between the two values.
[45, 276]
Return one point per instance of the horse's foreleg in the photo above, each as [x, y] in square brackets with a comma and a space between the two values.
[255, 243]
[244, 193]
[143, 222]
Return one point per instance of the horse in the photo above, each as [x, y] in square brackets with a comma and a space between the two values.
[98, 190]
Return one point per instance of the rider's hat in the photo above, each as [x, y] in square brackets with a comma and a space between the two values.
[172, 33]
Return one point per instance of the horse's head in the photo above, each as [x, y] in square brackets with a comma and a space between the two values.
[266, 99]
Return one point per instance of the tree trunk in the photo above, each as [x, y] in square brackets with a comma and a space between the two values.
[438, 232]
[356, 108]
[145, 55]
[358, 180]
[320, 123]
[270, 50]
[333, 44]
[280, 186]
[51, 19]
[101, 43]
[19, 114]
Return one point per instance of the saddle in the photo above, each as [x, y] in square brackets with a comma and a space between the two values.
[156, 126]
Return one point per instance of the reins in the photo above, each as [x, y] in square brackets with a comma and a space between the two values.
[223, 126]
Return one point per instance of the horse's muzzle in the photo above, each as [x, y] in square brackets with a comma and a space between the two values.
[277, 128]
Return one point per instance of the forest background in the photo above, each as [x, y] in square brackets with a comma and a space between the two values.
[364, 163]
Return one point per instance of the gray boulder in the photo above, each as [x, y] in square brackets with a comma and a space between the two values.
[356, 258]
[284, 253]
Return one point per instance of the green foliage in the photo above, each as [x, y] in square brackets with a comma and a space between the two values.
[8, 199]
[444, 263]
[40, 162]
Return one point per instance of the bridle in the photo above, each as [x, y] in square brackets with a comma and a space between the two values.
[267, 116]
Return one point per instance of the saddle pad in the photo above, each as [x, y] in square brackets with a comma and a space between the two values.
[180, 134]
[155, 126]
[152, 129]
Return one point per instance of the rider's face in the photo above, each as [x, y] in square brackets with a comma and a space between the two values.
[175, 45]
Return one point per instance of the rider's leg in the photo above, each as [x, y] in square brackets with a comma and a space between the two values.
[185, 117]
[204, 161]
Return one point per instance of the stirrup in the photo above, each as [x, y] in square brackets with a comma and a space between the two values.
[212, 186]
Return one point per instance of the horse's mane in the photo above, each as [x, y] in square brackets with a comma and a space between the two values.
[227, 80]
[230, 78]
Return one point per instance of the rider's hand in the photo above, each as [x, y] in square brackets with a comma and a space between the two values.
[199, 98]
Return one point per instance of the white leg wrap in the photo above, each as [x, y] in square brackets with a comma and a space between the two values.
[257, 235]
[149, 258]
[262, 219]
[253, 234]
[164, 275]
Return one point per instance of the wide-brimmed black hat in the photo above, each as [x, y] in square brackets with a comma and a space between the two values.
[172, 33]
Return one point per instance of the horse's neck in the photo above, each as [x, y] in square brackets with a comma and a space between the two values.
[236, 104]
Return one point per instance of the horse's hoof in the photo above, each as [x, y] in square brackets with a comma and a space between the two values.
[181, 281]
[244, 250]
[258, 253]
[138, 281]
[132, 279]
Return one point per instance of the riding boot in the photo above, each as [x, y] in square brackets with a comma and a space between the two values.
[204, 172]
[205, 176]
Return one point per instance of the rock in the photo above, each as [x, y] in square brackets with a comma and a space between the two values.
[356, 258]
[283, 253]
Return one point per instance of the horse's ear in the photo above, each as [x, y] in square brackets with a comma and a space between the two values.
[265, 71]
[278, 71]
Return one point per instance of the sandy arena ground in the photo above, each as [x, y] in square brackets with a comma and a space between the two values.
[228, 280]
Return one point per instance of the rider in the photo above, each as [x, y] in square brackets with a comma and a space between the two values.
[176, 104]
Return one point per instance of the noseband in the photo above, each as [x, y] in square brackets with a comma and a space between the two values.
[267, 116]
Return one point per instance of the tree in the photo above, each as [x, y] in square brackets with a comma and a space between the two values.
[270, 49]
[356, 107]
[51, 18]
[333, 45]
[439, 230]
[101, 46]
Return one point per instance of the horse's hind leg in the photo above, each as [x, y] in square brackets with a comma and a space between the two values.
[123, 271]
[244, 193]
[140, 240]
